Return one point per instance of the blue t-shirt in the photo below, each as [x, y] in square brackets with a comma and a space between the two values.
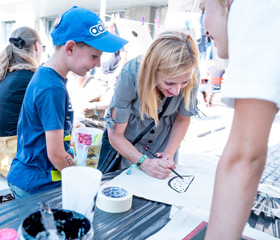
[46, 107]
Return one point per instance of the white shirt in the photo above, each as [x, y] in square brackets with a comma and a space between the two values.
[254, 51]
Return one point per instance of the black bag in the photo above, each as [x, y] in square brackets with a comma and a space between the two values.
[109, 158]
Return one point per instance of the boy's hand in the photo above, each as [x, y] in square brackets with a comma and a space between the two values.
[69, 160]
[56, 151]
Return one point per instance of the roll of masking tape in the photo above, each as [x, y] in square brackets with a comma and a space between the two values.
[113, 199]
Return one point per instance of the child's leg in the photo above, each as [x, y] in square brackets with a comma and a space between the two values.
[17, 192]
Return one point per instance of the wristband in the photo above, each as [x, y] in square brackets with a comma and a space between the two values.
[137, 164]
[72, 151]
[95, 112]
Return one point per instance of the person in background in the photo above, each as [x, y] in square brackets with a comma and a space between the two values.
[46, 118]
[167, 70]
[105, 78]
[84, 90]
[215, 77]
[252, 87]
[18, 62]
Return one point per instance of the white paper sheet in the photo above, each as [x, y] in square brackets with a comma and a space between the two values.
[200, 190]
[184, 221]
[269, 190]
[188, 218]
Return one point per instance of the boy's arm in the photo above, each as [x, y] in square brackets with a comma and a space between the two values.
[55, 150]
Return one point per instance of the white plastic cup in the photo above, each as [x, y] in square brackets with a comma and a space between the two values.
[79, 188]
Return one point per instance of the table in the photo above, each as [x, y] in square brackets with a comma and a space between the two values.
[143, 220]
[4, 188]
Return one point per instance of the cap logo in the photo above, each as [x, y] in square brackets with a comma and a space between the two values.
[57, 21]
[98, 29]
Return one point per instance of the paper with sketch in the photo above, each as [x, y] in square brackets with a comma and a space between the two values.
[199, 190]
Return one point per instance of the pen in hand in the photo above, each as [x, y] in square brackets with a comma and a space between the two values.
[154, 155]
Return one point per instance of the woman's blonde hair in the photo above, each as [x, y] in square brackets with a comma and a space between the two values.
[172, 54]
[17, 55]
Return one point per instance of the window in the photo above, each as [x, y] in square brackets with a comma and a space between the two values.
[7, 29]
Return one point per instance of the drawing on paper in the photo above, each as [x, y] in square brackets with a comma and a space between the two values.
[180, 185]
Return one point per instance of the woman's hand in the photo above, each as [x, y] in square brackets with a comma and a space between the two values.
[166, 157]
[157, 167]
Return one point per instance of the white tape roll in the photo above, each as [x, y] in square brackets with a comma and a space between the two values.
[113, 199]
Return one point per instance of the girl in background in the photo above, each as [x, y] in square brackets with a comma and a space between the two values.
[18, 61]
[252, 87]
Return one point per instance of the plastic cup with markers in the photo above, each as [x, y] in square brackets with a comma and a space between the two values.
[87, 145]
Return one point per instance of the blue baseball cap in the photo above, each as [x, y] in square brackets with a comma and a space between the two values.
[82, 25]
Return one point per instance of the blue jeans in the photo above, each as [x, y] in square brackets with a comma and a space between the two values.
[17, 192]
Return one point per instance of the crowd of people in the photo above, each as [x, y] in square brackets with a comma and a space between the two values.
[158, 88]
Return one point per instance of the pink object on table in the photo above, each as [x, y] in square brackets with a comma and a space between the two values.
[8, 234]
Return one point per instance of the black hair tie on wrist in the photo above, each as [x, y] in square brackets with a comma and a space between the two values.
[18, 42]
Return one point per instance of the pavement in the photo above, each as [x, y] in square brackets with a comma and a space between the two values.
[207, 136]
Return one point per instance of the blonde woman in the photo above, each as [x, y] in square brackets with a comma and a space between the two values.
[252, 87]
[167, 70]
[18, 62]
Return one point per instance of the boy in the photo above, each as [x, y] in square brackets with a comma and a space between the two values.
[46, 118]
